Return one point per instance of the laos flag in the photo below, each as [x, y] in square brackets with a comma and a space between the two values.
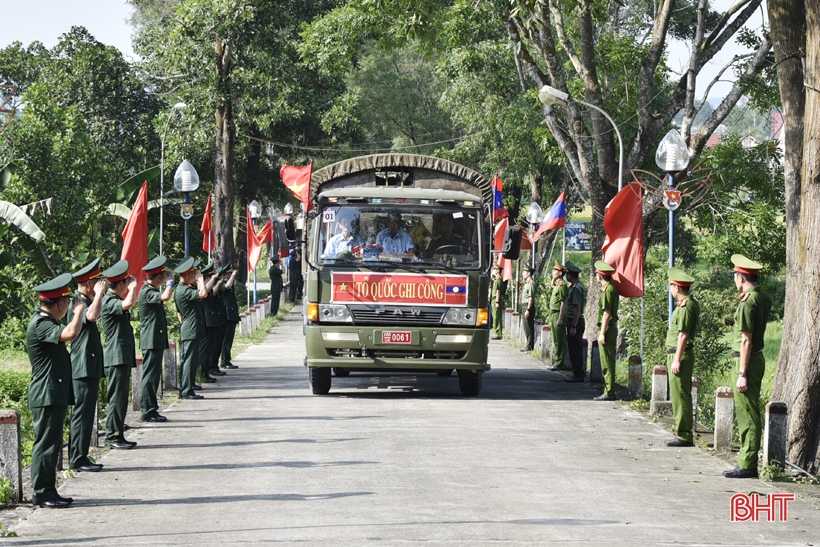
[498, 208]
[556, 218]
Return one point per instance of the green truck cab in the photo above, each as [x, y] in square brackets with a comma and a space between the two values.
[397, 265]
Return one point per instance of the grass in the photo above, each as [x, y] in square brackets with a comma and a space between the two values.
[15, 360]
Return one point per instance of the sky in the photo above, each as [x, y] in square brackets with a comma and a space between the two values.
[107, 21]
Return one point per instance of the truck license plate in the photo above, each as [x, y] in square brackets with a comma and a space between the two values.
[397, 337]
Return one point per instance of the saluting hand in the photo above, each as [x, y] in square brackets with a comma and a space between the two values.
[100, 286]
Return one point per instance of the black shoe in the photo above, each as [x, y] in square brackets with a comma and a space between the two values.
[123, 440]
[194, 396]
[88, 468]
[196, 387]
[229, 366]
[209, 380]
[679, 442]
[217, 372]
[155, 417]
[556, 369]
[740, 473]
[495, 338]
[120, 445]
[55, 504]
[575, 380]
[525, 349]
[604, 397]
[67, 500]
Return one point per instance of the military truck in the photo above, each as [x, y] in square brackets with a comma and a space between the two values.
[397, 263]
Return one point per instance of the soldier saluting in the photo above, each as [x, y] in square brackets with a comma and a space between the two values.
[153, 335]
[188, 293]
[50, 391]
[86, 366]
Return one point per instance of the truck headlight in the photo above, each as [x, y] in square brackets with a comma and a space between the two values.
[460, 316]
[334, 313]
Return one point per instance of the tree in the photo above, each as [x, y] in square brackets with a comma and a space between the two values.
[795, 28]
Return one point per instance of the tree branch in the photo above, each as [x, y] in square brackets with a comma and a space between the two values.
[689, 112]
[718, 37]
[558, 22]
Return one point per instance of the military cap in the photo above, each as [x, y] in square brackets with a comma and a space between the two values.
[679, 277]
[185, 266]
[155, 266]
[603, 268]
[571, 267]
[528, 269]
[89, 271]
[209, 269]
[56, 288]
[222, 269]
[197, 262]
[559, 267]
[746, 266]
[117, 272]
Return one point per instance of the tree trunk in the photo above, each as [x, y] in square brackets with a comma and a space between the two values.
[797, 382]
[223, 169]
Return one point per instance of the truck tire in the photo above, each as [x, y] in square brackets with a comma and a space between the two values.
[341, 372]
[319, 380]
[444, 373]
[469, 382]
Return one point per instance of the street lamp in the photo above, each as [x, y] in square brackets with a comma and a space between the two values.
[534, 216]
[672, 157]
[178, 106]
[549, 96]
[186, 180]
[255, 211]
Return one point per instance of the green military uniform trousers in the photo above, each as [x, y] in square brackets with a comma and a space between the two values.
[607, 355]
[48, 442]
[151, 375]
[559, 339]
[498, 320]
[188, 364]
[119, 384]
[680, 392]
[227, 341]
[217, 339]
[528, 324]
[86, 392]
[205, 351]
[747, 409]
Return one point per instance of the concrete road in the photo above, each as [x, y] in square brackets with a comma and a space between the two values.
[401, 460]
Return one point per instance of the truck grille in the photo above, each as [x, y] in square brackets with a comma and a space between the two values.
[406, 317]
[396, 354]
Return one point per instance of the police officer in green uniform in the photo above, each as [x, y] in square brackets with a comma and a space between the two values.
[153, 335]
[211, 319]
[50, 391]
[528, 308]
[558, 295]
[607, 327]
[751, 318]
[680, 358]
[276, 284]
[232, 319]
[187, 295]
[120, 353]
[86, 366]
[295, 276]
[496, 301]
[572, 314]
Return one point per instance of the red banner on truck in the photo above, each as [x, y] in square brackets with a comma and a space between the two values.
[378, 288]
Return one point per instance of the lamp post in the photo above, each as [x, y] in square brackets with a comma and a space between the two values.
[673, 157]
[256, 211]
[534, 216]
[178, 106]
[549, 96]
[186, 180]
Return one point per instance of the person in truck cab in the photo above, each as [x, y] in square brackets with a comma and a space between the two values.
[394, 239]
[343, 242]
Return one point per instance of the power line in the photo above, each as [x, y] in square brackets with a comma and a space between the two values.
[338, 149]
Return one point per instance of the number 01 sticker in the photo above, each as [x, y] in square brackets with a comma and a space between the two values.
[328, 215]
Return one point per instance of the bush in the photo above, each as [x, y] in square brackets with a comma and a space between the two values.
[14, 396]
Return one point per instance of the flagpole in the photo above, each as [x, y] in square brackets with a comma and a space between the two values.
[564, 241]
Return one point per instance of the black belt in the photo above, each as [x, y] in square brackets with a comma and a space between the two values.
[675, 350]
[555, 311]
[737, 353]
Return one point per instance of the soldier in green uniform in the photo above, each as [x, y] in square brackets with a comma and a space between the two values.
[153, 335]
[50, 391]
[680, 358]
[232, 319]
[86, 366]
[187, 295]
[219, 334]
[496, 302]
[211, 318]
[528, 308]
[607, 327]
[276, 284]
[120, 353]
[295, 276]
[558, 295]
[751, 318]
[572, 314]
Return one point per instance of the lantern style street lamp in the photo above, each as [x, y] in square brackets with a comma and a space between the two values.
[534, 216]
[176, 107]
[255, 211]
[186, 180]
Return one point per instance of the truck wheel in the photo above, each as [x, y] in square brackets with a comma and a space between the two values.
[319, 380]
[469, 382]
[341, 372]
[445, 373]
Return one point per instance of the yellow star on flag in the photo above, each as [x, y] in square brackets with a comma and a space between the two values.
[342, 287]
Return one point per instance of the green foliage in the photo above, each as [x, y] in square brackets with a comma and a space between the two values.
[14, 386]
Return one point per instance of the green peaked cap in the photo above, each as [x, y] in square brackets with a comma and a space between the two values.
[157, 263]
[679, 276]
[185, 265]
[742, 263]
[571, 267]
[87, 269]
[117, 271]
[57, 285]
[603, 267]
[207, 270]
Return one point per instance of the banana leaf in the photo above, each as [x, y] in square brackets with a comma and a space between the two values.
[115, 248]
[14, 215]
[6, 173]
[153, 204]
[119, 210]
[5, 259]
[127, 190]
[37, 255]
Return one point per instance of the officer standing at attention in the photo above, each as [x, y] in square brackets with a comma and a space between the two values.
[86, 366]
[187, 295]
[153, 335]
[680, 358]
[295, 276]
[211, 324]
[528, 308]
[751, 318]
[232, 319]
[276, 284]
[572, 315]
[120, 353]
[560, 291]
[50, 391]
[607, 327]
[496, 300]
[219, 335]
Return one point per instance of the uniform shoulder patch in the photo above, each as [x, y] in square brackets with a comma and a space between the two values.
[559, 283]
[43, 314]
[744, 296]
[681, 303]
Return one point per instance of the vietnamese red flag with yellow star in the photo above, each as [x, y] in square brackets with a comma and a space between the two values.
[297, 180]
[207, 229]
[135, 237]
[623, 246]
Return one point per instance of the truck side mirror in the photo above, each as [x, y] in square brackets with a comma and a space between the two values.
[286, 232]
[512, 243]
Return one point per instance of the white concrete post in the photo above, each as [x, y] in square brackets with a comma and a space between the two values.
[170, 367]
[635, 377]
[596, 374]
[694, 394]
[11, 455]
[775, 434]
[546, 343]
[136, 384]
[724, 418]
[507, 323]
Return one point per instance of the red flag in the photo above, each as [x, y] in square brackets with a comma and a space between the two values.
[506, 268]
[135, 236]
[556, 218]
[498, 209]
[623, 246]
[297, 180]
[207, 229]
[266, 235]
[254, 245]
[498, 235]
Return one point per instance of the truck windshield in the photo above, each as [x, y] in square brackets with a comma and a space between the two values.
[417, 235]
